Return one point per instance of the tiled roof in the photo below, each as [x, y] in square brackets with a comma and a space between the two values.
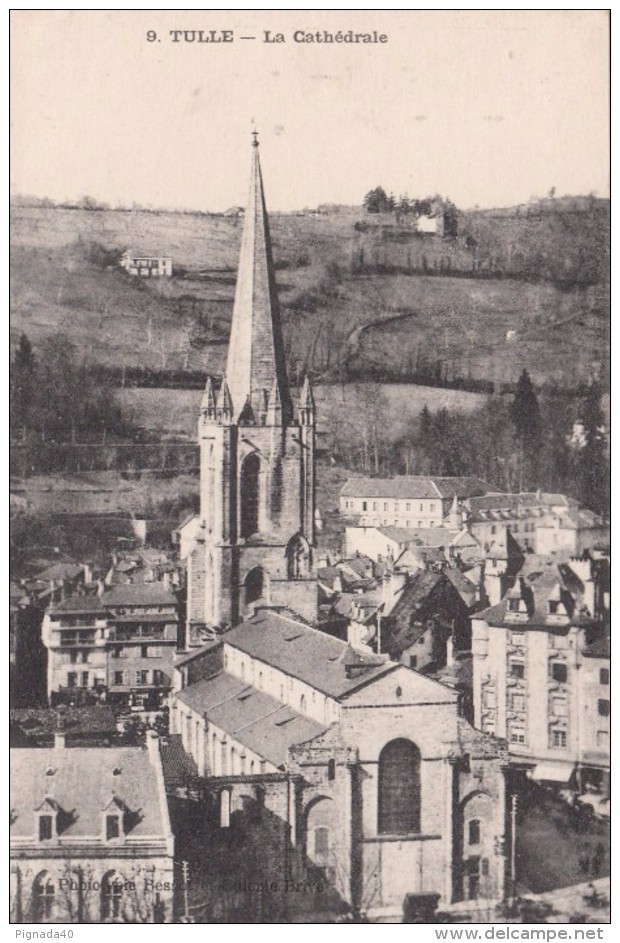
[518, 502]
[360, 564]
[464, 587]
[405, 486]
[418, 536]
[178, 766]
[259, 721]
[61, 571]
[143, 594]
[477, 743]
[539, 581]
[185, 657]
[301, 651]
[75, 721]
[82, 783]
[80, 604]
[413, 486]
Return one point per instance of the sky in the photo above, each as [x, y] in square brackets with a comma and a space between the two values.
[488, 108]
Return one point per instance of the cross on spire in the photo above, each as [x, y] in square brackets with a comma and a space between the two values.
[255, 138]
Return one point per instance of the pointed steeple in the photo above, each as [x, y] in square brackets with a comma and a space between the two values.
[224, 408]
[207, 404]
[256, 350]
[274, 406]
[306, 404]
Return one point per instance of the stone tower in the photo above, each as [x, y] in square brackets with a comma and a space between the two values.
[255, 539]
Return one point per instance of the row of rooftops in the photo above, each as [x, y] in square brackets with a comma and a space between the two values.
[476, 498]
[129, 595]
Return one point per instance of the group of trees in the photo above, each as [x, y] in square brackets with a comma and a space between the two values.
[515, 443]
[56, 398]
[378, 201]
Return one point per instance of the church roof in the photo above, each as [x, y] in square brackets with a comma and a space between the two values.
[256, 350]
[259, 721]
[301, 651]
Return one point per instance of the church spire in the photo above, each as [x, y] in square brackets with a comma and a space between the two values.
[256, 350]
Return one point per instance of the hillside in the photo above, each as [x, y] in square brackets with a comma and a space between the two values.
[361, 297]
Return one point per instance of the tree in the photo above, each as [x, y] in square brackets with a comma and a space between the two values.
[377, 201]
[591, 461]
[525, 412]
[22, 387]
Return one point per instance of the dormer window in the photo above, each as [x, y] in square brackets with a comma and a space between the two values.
[112, 827]
[513, 605]
[113, 820]
[47, 816]
[46, 827]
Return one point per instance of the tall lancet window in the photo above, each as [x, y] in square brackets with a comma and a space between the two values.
[249, 495]
[399, 788]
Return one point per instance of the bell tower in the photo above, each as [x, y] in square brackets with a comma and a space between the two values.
[255, 540]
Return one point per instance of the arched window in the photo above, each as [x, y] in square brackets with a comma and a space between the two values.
[302, 703]
[321, 845]
[111, 896]
[249, 495]
[399, 788]
[254, 584]
[43, 895]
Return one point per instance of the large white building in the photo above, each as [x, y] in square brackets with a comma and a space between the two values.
[410, 501]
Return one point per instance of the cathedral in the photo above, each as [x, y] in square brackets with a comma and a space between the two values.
[332, 778]
[255, 539]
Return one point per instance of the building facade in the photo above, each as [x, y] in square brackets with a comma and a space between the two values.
[541, 673]
[389, 791]
[410, 501]
[118, 647]
[147, 266]
[90, 837]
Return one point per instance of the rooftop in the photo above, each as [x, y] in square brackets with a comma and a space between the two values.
[259, 721]
[413, 486]
[80, 604]
[142, 594]
[540, 581]
[301, 651]
[82, 781]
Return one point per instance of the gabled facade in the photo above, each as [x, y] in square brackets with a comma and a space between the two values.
[356, 771]
[255, 539]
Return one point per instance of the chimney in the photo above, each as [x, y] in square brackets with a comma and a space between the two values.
[152, 746]
[60, 740]
[393, 584]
